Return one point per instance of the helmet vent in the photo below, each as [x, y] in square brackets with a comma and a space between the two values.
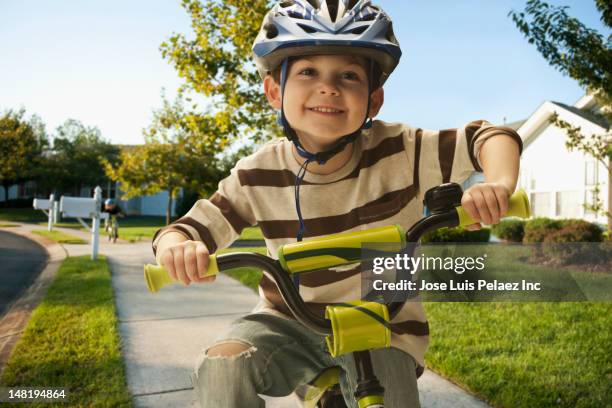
[271, 30]
[314, 3]
[287, 3]
[359, 30]
[332, 7]
[368, 17]
[306, 28]
[296, 15]
[351, 4]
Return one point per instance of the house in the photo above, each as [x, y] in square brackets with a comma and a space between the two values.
[558, 181]
[145, 205]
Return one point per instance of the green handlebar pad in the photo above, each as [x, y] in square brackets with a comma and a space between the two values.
[518, 206]
[337, 249]
[157, 276]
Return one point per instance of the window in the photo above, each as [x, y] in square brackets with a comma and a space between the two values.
[590, 173]
[590, 198]
[540, 204]
[569, 204]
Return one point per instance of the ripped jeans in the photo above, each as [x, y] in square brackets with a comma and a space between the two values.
[277, 355]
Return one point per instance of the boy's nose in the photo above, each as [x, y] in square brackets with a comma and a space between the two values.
[328, 89]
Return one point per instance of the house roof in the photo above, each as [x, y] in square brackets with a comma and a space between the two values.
[517, 124]
[585, 114]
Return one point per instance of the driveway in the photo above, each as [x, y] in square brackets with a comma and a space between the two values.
[21, 260]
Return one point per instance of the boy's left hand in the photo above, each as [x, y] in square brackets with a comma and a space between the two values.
[485, 202]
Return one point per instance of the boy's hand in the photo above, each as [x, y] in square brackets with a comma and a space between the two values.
[187, 262]
[485, 202]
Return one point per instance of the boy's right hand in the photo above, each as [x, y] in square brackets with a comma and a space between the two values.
[187, 262]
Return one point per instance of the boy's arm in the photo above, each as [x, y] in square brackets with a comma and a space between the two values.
[500, 161]
[488, 201]
[453, 155]
[216, 221]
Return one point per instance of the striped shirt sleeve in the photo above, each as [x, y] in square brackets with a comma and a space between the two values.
[216, 221]
[452, 155]
[479, 131]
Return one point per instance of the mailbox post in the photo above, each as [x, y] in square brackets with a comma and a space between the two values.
[85, 208]
[48, 207]
[95, 230]
[51, 211]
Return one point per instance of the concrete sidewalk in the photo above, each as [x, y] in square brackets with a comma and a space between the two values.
[164, 333]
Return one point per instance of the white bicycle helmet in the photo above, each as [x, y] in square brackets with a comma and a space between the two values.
[311, 27]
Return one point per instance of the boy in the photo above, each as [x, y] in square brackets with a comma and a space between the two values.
[323, 65]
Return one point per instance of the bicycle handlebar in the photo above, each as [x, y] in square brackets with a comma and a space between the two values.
[329, 251]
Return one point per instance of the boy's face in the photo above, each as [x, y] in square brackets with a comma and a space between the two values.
[325, 82]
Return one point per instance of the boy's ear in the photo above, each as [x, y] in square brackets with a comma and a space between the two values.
[377, 98]
[272, 91]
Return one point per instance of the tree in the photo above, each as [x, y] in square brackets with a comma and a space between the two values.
[76, 158]
[584, 55]
[217, 64]
[179, 152]
[21, 148]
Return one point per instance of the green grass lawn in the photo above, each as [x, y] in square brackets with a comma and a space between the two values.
[247, 276]
[525, 354]
[61, 237]
[251, 233]
[72, 340]
[7, 225]
[132, 228]
[22, 215]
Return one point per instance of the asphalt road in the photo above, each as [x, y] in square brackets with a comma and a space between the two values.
[21, 260]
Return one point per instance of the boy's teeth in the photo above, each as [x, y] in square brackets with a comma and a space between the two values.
[326, 110]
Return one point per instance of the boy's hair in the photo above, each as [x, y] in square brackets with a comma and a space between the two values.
[376, 72]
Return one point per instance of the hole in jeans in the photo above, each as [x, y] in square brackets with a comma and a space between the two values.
[230, 348]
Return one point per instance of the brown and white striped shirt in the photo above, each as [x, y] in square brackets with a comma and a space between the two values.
[383, 183]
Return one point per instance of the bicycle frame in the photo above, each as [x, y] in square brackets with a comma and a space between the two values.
[323, 253]
[112, 228]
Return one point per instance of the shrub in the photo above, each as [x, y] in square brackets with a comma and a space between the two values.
[574, 243]
[538, 229]
[185, 202]
[510, 230]
[457, 235]
[577, 231]
[18, 203]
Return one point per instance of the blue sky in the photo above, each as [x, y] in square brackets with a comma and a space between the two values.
[99, 62]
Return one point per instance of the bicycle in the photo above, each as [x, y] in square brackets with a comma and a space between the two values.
[371, 319]
[112, 228]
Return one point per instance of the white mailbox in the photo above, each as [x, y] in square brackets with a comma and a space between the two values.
[78, 207]
[42, 204]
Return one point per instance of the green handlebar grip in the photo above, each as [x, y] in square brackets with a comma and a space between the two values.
[157, 276]
[337, 249]
[518, 206]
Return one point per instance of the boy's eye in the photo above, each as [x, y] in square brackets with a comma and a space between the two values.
[350, 75]
[307, 71]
